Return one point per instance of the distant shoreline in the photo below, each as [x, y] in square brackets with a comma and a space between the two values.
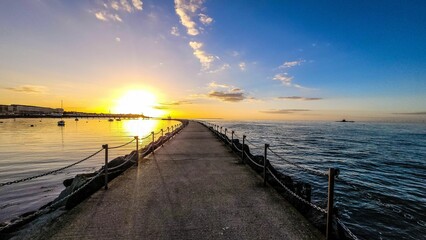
[78, 115]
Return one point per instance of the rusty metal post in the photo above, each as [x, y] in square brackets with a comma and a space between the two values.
[330, 203]
[137, 150]
[265, 160]
[162, 132]
[105, 146]
[242, 153]
[153, 136]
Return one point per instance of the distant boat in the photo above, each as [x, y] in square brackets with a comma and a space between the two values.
[110, 120]
[118, 119]
[61, 122]
[344, 120]
[76, 119]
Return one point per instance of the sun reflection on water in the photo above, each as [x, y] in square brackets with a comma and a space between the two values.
[140, 128]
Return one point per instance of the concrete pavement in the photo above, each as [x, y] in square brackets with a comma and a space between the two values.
[192, 188]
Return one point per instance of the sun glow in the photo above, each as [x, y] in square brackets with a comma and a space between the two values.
[139, 102]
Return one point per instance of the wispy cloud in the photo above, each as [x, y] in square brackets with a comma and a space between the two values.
[227, 96]
[186, 10]
[242, 66]
[204, 58]
[284, 111]
[299, 98]
[33, 89]
[137, 4]
[291, 64]
[101, 16]
[224, 67]
[284, 78]
[217, 85]
[411, 113]
[110, 9]
[178, 103]
[175, 31]
[126, 6]
[204, 19]
[117, 39]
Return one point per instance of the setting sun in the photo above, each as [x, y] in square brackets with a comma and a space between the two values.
[138, 102]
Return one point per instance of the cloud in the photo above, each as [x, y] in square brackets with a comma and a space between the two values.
[227, 96]
[221, 68]
[174, 31]
[242, 66]
[177, 103]
[137, 4]
[204, 19]
[101, 16]
[299, 98]
[204, 58]
[115, 5]
[216, 85]
[118, 39]
[107, 13]
[104, 16]
[28, 89]
[284, 111]
[126, 6]
[186, 9]
[291, 64]
[411, 113]
[284, 78]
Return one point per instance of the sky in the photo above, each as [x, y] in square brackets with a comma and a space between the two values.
[233, 59]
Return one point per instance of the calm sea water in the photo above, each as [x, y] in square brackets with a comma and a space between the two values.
[385, 165]
[27, 151]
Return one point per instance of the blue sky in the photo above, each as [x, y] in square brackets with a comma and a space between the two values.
[308, 60]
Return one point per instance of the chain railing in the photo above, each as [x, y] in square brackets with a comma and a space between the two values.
[103, 171]
[267, 169]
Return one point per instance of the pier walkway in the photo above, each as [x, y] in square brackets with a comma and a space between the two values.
[191, 188]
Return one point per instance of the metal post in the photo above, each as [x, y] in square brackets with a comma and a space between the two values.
[242, 153]
[168, 129]
[105, 146]
[232, 139]
[225, 132]
[162, 132]
[330, 202]
[137, 149]
[152, 137]
[265, 160]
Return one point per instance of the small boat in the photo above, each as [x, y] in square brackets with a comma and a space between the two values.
[118, 119]
[76, 119]
[61, 123]
[110, 120]
[344, 120]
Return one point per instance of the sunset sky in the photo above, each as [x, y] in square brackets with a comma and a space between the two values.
[233, 59]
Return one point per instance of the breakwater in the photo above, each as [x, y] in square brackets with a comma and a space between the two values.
[83, 185]
[377, 182]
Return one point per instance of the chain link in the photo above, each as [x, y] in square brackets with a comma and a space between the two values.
[297, 196]
[314, 171]
[50, 172]
[255, 163]
[134, 139]
[347, 230]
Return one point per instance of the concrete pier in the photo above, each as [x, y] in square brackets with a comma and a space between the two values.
[191, 188]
